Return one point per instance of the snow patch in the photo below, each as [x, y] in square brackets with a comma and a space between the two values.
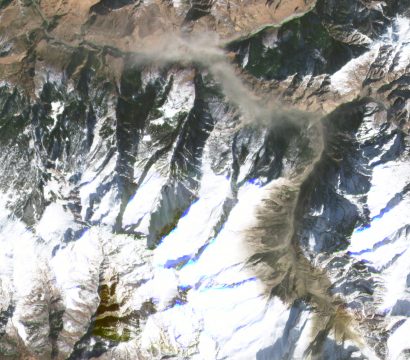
[57, 108]
[54, 222]
[143, 203]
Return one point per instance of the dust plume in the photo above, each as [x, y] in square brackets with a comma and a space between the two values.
[207, 51]
[278, 260]
[276, 257]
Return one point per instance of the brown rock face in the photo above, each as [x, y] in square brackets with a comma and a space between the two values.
[48, 32]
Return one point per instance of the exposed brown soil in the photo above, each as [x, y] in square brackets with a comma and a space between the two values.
[47, 32]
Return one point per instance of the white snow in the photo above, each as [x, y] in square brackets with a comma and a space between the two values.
[108, 208]
[398, 35]
[380, 228]
[398, 342]
[143, 203]
[395, 280]
[57, 108]
[54, 222]
[387, 180]
[349, 78]
[194, 229]
[228, 248]
[225, 299]
[181, 97]
[158, 122]
[92, 179]
[76, 264]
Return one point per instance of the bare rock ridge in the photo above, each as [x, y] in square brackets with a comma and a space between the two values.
[50, 31]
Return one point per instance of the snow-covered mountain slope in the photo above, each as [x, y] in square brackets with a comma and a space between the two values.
[205, 196]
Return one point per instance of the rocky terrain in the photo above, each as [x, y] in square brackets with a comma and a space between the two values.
[205, 179]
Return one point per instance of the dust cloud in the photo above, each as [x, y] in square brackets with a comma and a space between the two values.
[275, 255]
[207, 51]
